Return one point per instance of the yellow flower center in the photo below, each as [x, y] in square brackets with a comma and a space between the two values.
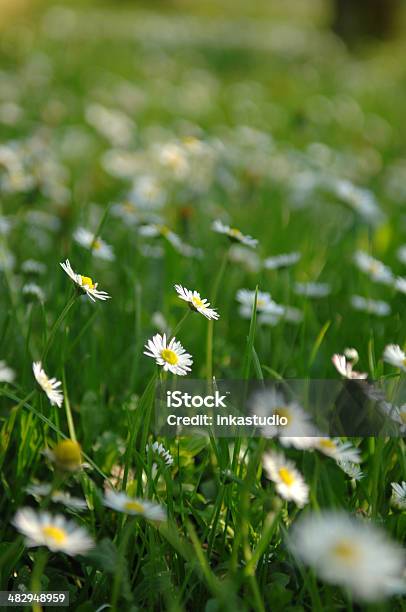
[234, 233]
[54, 533]
[68, 454]
[402, 414]
[134, 506]
[197, 302]
[164, 230]
[328, 444]
[282, 411]
[87, 282]
[286, 476]
[345, 551]
[169, 356]
[374, 268]
[96, 245]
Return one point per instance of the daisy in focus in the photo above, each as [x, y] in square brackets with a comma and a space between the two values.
[54, 532]
[235, 235]
[196, 303]
[354, 554]
[344, 365]
[134, 506]
[394, 355]
[290, 484]
[171, 356]
[91, 242]
[85, 283]
[49, 385]
[67, 455]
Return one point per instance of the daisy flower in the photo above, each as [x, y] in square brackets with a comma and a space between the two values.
[281, 261]
[400, 284]
[160, 450]
[334, 448]
[312, 290]
[172, 356]
[59, 497]
[235, 235]
[352, 470]
[394, 355]
[49, 385]
[7, 375]
[67, 455]
[134, 506]
[345, 551]
[265, 304]
[89, 241]
[32, 266]
[298, 430]
[154, 230]
[289, 482]
[398, 498]
[375, 307]
[344, 367]
[34, 290]
[396, 413]
[85, 283]
[245, 257]
[55, 532]
[376, 270]
[196, 303]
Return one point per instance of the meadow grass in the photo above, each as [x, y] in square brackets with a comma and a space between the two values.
[134, 124]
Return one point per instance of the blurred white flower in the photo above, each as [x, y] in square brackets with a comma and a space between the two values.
[113, 124]
[281, 261]
[7, 375]
[245, 256]
[98, 247]
[55, 532]
[312, 290]
[61, 497]
[375, 307]
[396, 413]
[233, 234]
[134, 506]
[32, 289]
[49, 385]
[349, 552]
[337, 450]
[298, 430]
[376, 270]
[265, 304]
[31, 266]
[171, 356]
[289, 482]
[394, 355]
[196, 303]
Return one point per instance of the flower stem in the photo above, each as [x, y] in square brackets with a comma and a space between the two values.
[41, 559]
